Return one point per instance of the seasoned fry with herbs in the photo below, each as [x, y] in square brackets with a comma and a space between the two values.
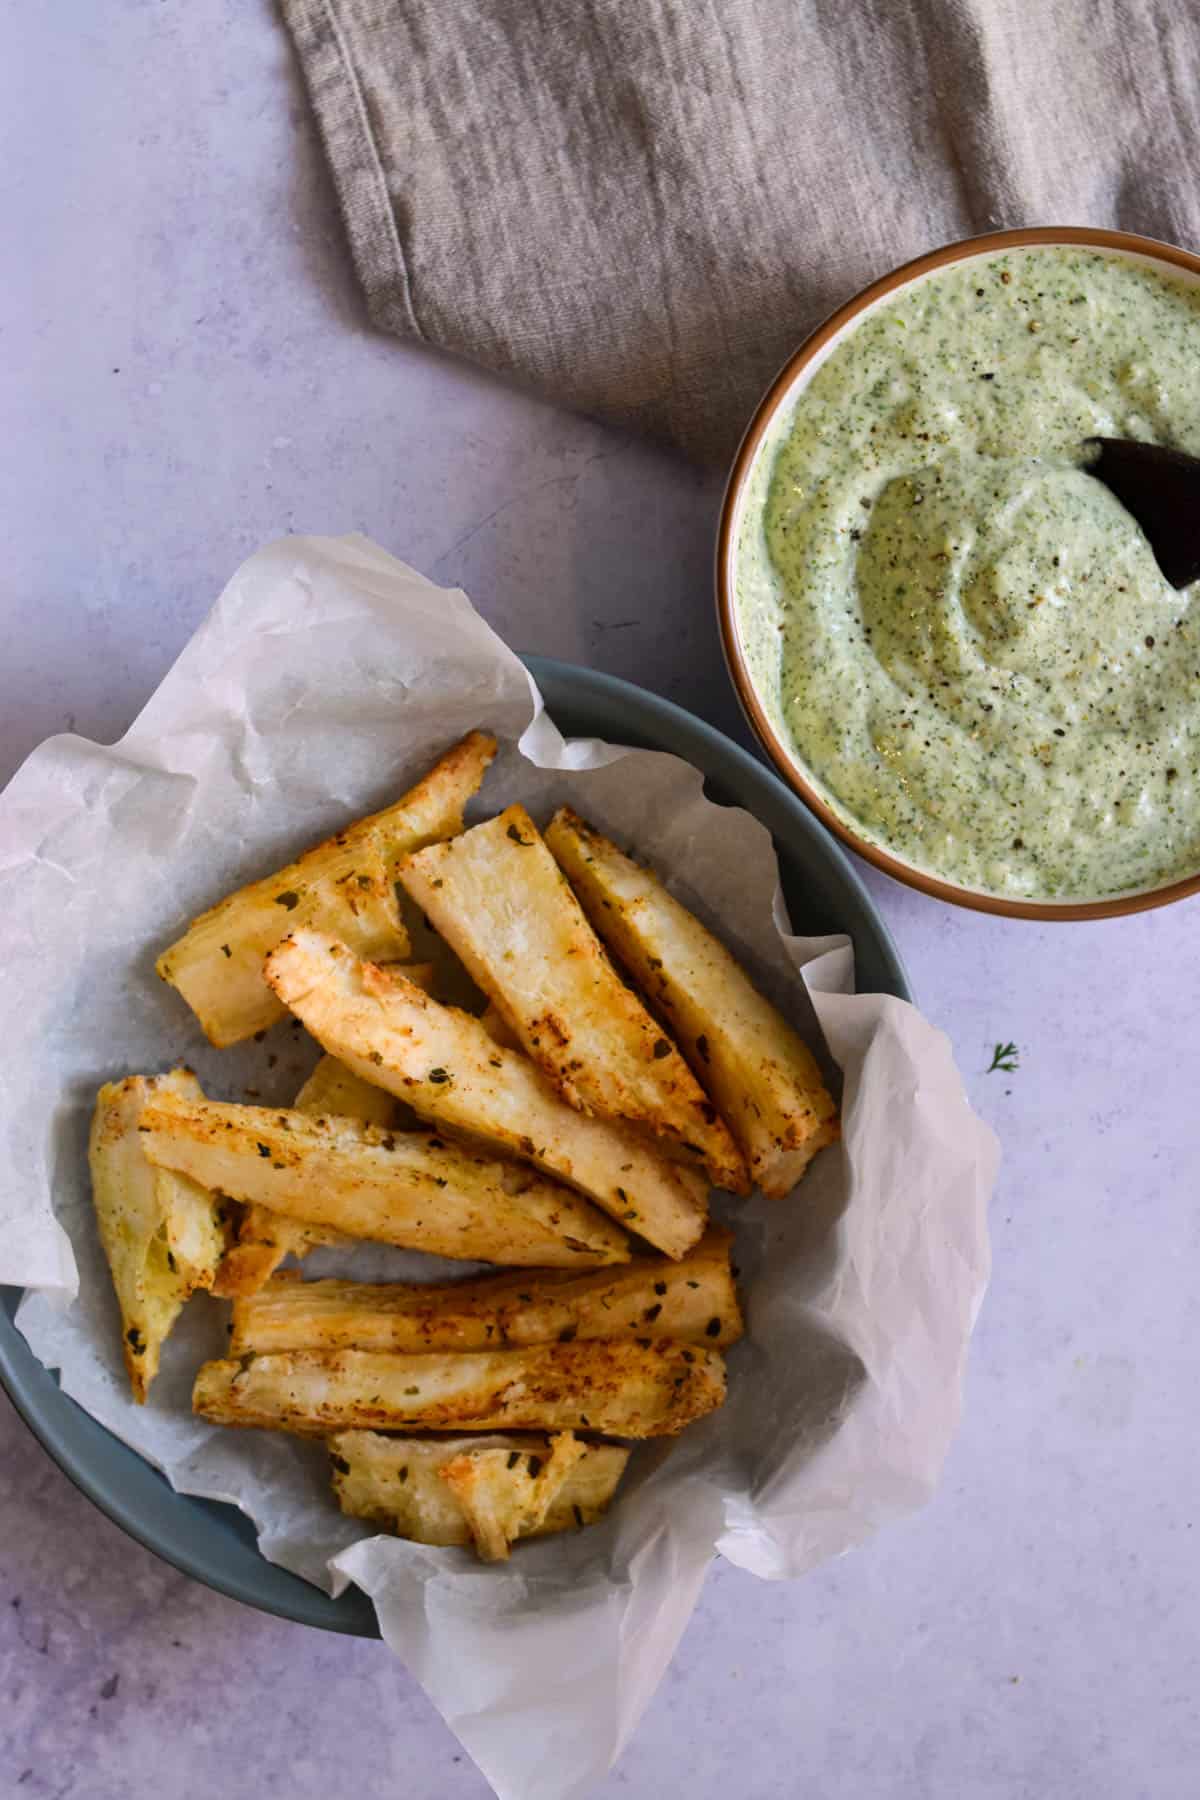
[333, 1091]
[409, 1188]
[162, 1234]
[650, 1388]
[346, 884]
[500, 900]
[692, 1301]
[444, 1063]
[194, 1226]
[266, 1237]
[492, 1021]
[463, 1490]
[623, 1061]
[760, 1073]
[502, 1499]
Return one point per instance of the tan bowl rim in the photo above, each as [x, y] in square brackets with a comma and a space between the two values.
[764, 413]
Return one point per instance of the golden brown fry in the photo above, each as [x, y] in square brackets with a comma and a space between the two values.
[397, 1482]
[651, 1388]
[266, 1237]
[499, 899]
[761, 1074]
[163, 1237]
[409, 1188]
[692, 1301]
[445, 1065]
[193, 1225]
[492, 1021]
[333, 1091]
[502, 1500]
[346, 884]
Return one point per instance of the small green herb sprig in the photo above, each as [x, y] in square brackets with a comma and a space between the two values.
[1004, 1056]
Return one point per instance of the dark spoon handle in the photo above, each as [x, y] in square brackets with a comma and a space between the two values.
[1160, 488]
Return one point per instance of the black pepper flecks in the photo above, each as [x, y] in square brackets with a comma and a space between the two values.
[942, 602]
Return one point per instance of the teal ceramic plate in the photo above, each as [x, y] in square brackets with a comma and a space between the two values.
[215, 1543]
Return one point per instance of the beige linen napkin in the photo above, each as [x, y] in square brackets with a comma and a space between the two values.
[642, 206]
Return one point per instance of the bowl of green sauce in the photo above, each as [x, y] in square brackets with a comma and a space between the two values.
[953, 642]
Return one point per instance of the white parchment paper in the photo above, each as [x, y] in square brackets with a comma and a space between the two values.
[326, 679]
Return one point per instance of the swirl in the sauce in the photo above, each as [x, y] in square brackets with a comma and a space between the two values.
[965, 636]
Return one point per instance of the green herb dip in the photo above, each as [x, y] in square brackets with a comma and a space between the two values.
[965, 637]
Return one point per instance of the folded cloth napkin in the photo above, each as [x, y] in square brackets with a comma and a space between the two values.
[642, 206]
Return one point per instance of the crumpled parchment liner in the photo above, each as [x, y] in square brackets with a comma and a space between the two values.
[325, 680]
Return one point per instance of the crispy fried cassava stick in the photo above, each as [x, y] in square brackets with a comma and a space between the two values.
[493, 1023]
[409, 1188]
[333, 1091]
[444, 1063]
[346, 884]
[426, 1488]
[266, 1237]
[501, 902]
[162, 1234]
[692, 1301]
[652, 1388]
[500, 1499]
[194, 1226]
[760, 1073]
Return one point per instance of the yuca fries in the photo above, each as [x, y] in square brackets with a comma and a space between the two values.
[445, 1064]
[162, 1234]
[499, 899]
[761, 1074]
[651, 1388]
[692, 1301]
[498, 1498]
[333, 1091]
[346, 884]
[493, 1023]
[266, 1237]
[463, 1490]
[408, 1188]
[573, 1091]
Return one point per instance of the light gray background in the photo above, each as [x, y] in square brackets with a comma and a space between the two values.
[184, 374]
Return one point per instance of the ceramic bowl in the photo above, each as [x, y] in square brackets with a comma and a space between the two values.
[215, 1543]
[764, 434]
